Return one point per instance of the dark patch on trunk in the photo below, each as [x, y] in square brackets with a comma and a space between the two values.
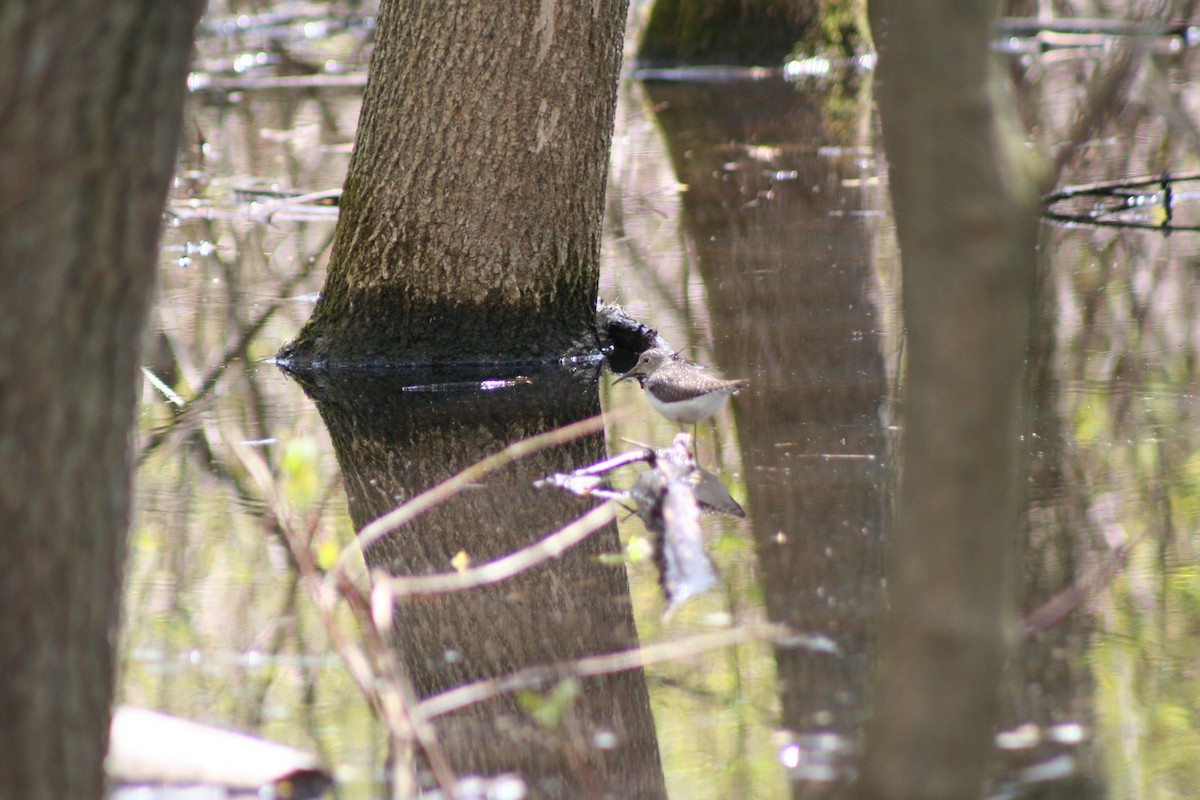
[384, 326]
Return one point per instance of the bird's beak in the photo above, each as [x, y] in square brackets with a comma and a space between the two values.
[633, 373]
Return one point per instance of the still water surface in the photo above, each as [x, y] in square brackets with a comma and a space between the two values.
[749, 222]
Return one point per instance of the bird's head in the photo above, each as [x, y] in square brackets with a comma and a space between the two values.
[647, 362]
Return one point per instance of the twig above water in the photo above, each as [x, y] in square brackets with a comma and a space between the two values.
[635, 658]
[502, 568]
[435, 496]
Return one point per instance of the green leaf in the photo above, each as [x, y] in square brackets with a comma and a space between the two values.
[549, 709]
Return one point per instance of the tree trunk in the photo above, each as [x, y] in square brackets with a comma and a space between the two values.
[471, 217]
[966, 207]
[91, 96]
[756, 33]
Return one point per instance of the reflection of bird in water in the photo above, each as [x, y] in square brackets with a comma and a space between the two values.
[680, 390]
[712, 494]
[666, 497]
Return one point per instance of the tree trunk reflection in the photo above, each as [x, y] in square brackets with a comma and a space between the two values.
[799, 317]
[392, 444]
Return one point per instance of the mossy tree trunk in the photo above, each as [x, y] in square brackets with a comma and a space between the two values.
[966, 202]
[92, 94]
[471, 217]
[747, 33]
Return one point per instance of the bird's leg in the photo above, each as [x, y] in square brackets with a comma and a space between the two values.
[682, 427]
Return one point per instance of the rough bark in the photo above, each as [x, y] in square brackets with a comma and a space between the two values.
[965, 202]
[90, 109]
[470, 221]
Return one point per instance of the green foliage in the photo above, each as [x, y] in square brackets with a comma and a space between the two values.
[639, 549]
[301, 474]
[1142, 662]
[844, 26]
[549, 709]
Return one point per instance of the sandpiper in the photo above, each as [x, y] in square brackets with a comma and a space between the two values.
[680, 390]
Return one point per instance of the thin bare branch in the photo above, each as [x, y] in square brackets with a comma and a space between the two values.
[226, 84]
[436, 495]
[374, 670]
[677, 649]
[504, 568]
[1109, 85]
[231, 353]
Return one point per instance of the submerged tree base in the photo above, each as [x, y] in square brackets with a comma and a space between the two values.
[349, 335]
[384, 327]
